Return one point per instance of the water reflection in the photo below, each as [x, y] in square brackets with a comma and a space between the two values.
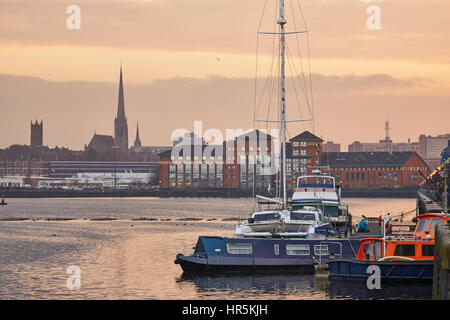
[299, 287]
[357, 290]
[255, 286]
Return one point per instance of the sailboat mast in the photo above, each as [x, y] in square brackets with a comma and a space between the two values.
[282, 22]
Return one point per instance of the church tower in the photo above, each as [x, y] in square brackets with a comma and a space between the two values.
[120, 122]
[36, 134]
[137, 142]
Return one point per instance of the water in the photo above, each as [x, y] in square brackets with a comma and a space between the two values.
[125, 257]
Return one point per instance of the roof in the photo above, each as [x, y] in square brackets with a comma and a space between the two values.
[290, 155]
[101, 139]
[168, 153]
[366, 159]
[260, 135]
[306, 136]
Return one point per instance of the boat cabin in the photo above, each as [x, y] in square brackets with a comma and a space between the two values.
[374, 249]
[418, 247]
[427, 223]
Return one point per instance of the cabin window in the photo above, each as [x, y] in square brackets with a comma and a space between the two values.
[321, 250]
[297, 250]
[239, 248]
[368, 250]
[423, 225]
[434, 223]
[199, 250]
[265, 217]
[331, 211]
[428, 250]
[302, 216]
[276, 249]
[378, 250]
[405, 250]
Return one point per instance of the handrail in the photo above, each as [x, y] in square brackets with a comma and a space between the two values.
[396, 257]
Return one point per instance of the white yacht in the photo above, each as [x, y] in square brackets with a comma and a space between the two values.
[302, 223]
[320, 191]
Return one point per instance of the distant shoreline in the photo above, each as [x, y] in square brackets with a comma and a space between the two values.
[166, 193]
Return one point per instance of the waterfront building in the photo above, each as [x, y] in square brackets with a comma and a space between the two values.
[248, 156]
[71, 169]
[245, 162]
[330, 146]
[430, 148]
[384, 145]
[24, 168]
[370, 170]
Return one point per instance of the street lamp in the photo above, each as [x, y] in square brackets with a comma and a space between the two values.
[115, 147]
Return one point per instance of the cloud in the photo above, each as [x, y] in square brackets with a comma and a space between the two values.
[347, 108]
[412, 30]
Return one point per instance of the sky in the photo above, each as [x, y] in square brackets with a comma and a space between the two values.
[196, 60]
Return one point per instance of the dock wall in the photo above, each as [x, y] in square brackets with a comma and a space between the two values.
[441, 278]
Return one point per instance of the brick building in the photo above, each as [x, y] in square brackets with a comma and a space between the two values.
[237, 163]
[330, 146]
[430, 148]
[303, 154]
[369, 170]
[244, 162]
[24, 168]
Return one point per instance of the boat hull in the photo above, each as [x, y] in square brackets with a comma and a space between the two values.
[267, 255]
[356, 270]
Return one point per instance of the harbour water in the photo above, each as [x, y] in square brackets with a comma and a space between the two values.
[125, 249]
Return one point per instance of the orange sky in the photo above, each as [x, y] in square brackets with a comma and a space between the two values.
[362, 77]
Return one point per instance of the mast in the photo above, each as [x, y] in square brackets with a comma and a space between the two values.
[282, 22]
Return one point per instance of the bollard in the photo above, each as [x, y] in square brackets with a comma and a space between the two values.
[441, 277]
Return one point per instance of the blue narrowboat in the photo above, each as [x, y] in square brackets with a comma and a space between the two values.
[219, 255]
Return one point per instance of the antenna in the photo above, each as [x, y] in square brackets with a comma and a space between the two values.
[386, 128]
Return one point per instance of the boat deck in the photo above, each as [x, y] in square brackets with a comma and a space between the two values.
[374, 229]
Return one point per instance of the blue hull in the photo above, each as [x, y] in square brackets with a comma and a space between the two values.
[267, 255]
[356, 270]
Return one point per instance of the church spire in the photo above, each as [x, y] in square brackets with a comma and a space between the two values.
[120, 123]
[121, 100]
[137, 142]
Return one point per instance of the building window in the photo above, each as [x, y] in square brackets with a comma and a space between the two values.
[219, 176]
[303, 152]
[303, 143]
[295, 143]
[204, 175]
[251, 175]
[172, 174]
[297, 249]
[239, 248]
[363, 176]
[243, 176]
[212, 173]
[188, 176]
[195, 176]
[295, 152]
[180, 174]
